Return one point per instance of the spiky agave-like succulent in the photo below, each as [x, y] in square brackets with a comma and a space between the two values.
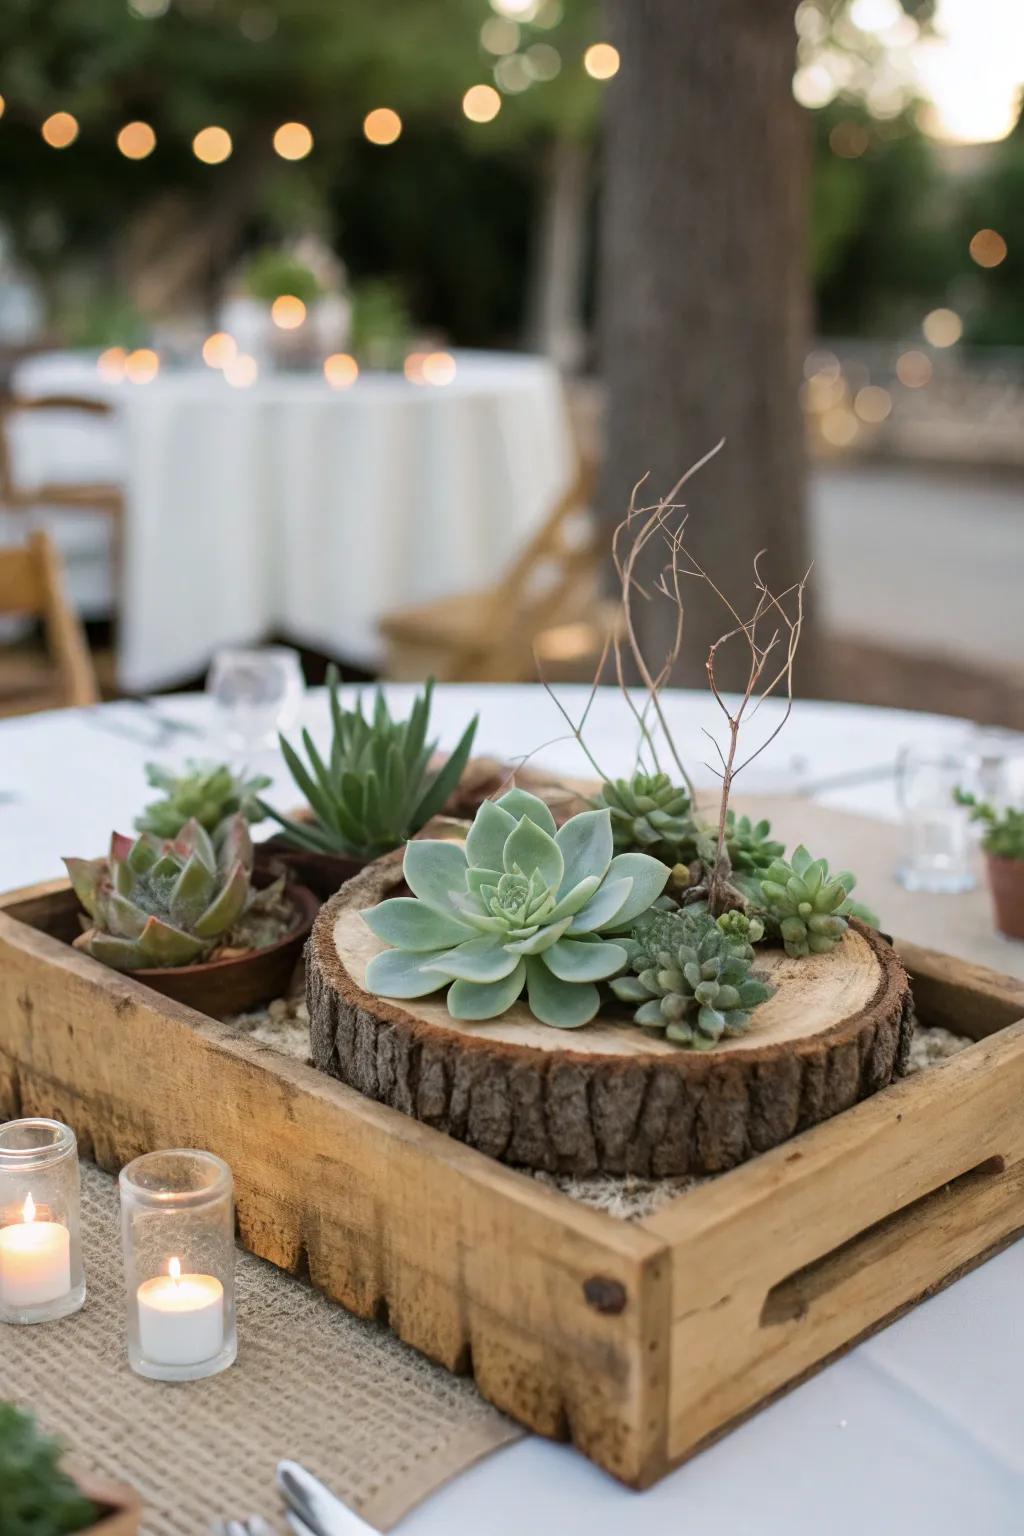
[207, 792]
[809, 906]
[692, 977]
[157, 902]
[376, 788]
[520, 905]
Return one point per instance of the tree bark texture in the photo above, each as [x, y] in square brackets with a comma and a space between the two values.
[704, 295]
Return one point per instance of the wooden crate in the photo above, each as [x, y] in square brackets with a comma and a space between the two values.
[640, 1341]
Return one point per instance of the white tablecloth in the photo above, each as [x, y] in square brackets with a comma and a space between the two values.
[917, 1432]
[291, 507]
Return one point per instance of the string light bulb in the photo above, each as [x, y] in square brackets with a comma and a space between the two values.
[287, 312]
[293, 141]
[212, 145]
[59, 130]
[601, 61]
[136, 141]
[382, 126]
[481, 103]
[340, 370]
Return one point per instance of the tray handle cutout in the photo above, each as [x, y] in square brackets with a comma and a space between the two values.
[793, 1297]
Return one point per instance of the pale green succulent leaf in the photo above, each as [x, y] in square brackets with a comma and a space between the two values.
[434, 868]
[531, 849]
[630, 989]
[486, 1000]
[410, 924]
[562, 1004]
[192, 892]
[649, 878]
[226, 907]
[86, 876]
[118, 915]
[801, 859]
[574, 960]
[400, 974]
[487, 837]
[478, 959]
[603, 907]
[575, 899]
[543, 939]
[586, 844]
[162, 943]
[520, 803]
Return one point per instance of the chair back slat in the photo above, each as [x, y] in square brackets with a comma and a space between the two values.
[21, 583]
[32, 583]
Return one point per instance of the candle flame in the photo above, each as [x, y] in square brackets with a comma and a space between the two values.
[28, 1210]
[174, 1269]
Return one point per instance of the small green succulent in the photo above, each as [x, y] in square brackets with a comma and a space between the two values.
[1004, 828]
[520, 905]
[692, 978]
[175, 902]
[376, 788]
[207, 792]
[651, 815]
[748, 843]
[809, 906]
[37, 1497]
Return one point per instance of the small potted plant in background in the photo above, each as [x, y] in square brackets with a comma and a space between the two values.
[378, 786]
[382, 324]
[1003, 843]
[191, 918]
[39, 1498]
[286, 309]
[205, 792]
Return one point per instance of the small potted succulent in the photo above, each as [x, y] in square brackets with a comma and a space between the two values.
[1003, 843]
[39, 1498]
[379, 785]
[205, 792]
[189, 916]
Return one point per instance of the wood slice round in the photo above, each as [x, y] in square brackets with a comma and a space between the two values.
[608, 1097]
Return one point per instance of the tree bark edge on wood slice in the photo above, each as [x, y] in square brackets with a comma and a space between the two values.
[626, 1106]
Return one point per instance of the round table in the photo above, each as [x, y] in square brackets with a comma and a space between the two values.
[916, 1432]
[290, 507]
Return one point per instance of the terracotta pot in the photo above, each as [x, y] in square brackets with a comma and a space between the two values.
[121, 1508]
[223, 987]
[1006, 882]
[323, 873]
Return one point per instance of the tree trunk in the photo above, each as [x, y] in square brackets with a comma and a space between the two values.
[704, 297]
[556, 299]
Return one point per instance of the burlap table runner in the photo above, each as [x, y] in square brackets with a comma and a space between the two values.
[380, 1424]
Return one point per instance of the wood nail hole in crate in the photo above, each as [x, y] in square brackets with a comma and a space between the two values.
[793, 1297]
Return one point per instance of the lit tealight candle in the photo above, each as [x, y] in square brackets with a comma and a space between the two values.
[35, 1260]
[181, 1317]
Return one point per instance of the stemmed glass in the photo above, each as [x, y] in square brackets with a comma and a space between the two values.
[939, 840]
[258, 692]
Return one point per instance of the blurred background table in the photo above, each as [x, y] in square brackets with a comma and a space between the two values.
[290, 507]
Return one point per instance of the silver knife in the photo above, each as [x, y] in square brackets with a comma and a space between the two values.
[316, 1506]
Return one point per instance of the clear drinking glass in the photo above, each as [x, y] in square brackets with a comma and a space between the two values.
[939, 841]
[178, 1236]
[41, 1273]
[258, 692]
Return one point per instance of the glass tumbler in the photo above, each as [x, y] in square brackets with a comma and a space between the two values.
[41, 1273]
[258, 692]
[178, 1236]
[939, 843]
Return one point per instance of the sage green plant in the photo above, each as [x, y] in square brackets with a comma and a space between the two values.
[651, 815]
[37, 1497]
[809, 906]
[376, 787]
[691, 976]
[179, 901]
[1004, 828]
[205, 792]
[520, 905]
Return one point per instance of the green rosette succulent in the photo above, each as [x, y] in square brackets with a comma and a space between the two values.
[692, 980]
[205, 792]
[521, 905]
[748, 844]
[809, 906]
[172, 902]
[650, 814]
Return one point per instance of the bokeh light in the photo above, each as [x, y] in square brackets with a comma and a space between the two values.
[512, 74]
[481, 103]
[382, 125]
[942, 327]
[601, 61]
[522, 10]
[219, 350]
[293, 141]
[987, 248]
[60, 130]
[873, 404]
[914, 369]
[3, 106]
[287, 312]
[212, 145]
[340, 370]
[142, 365]
[149, 10]
[821, 364]
[110, 364]
[839, 427]
[242, 371]
[498, 35]
[136, 141]
[413, 367]
[543, 61]
[438, 368]
[813, 86]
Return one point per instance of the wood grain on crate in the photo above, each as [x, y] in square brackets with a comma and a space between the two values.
[640, 1341]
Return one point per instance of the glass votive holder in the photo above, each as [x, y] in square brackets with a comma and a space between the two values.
[41, 1273]
[178, 1235]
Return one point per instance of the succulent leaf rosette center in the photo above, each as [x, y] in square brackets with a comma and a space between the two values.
[522, 905]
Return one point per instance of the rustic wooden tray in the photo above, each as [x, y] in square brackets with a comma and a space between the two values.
[641, 1341]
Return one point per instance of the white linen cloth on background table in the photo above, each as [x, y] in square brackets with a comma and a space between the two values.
[916, 1432]
[294, 508]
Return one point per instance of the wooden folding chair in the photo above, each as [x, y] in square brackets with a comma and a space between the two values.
[32, 586]
[548, 606]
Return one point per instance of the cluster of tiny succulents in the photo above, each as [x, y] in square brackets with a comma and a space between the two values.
[178, 901]
[1003, 834]
[692, 978]
[520, 906]
[807, 906]
[205, 792]
[376, 788]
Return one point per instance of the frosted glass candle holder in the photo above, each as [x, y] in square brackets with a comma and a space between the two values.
[41, 1274]
[178, 1234]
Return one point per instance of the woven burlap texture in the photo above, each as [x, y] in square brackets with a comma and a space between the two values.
[380, 1424]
